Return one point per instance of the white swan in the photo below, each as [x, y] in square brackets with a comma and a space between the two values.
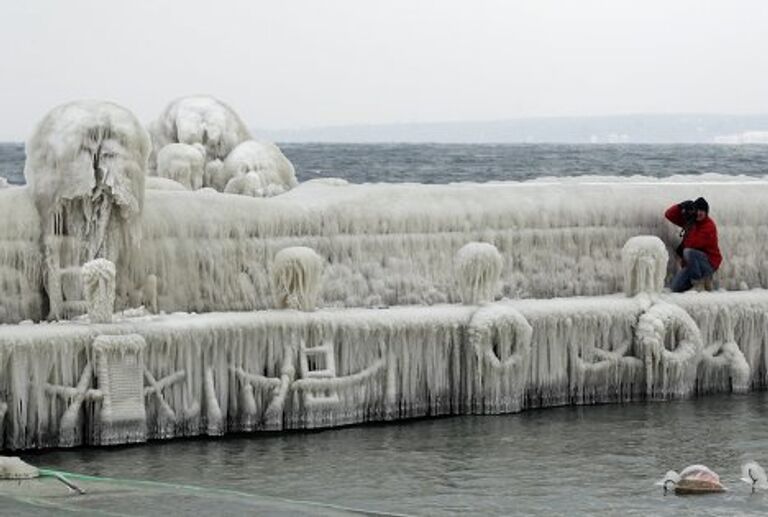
[754, 474]
[694, 479]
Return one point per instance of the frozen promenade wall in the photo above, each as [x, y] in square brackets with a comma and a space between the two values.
[149, 377]
[386, 244]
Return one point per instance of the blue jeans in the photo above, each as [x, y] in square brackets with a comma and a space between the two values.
[697, 267]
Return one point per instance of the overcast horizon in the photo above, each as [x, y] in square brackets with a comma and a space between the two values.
[300, 64]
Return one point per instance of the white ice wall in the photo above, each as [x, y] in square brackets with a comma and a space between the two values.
[270, 370]
[388, 244]
[395, 244]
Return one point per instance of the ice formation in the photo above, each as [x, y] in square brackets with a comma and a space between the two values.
[670, 342]
[478, 267]
[389, 244]
[12, 467]
[99, 289]
[182, 163]
[158, 183]
[270, 370]
[501, 338]
[119, 368]
[85, 169]
[3, 182]
[256, 169]
[296, 278]
[645, 261]
[200, 120]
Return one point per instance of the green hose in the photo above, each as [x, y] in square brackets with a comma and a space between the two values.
[64, 477]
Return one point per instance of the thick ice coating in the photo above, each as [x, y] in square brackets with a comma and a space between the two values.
[478, 266]
[296, 277]
[88, 151]
[12, 467]
[86, 167]
[256, 169]
[99, 288]
[182, 163]
[645, 260]
[200, 120]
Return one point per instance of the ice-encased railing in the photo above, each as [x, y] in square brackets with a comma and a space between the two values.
[271, 370]
[395, 244]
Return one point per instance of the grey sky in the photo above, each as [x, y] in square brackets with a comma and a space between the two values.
[289, 63]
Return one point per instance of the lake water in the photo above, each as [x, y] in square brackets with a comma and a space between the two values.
[597, 460]
[433, 163]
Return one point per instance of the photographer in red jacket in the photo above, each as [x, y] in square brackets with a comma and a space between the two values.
[699, 252]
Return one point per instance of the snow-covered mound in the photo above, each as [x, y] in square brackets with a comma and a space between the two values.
[201, 120]
[182, 163]
[256, 169]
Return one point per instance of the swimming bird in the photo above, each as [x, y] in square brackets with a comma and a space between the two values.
[694, 479]
[754, 474]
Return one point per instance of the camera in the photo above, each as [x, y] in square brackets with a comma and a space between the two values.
[688, 211]
[689, 215]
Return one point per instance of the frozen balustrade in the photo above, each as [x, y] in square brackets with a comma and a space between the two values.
[70, 383]
[391, 244]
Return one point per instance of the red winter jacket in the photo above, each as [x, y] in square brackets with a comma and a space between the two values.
[701, 236]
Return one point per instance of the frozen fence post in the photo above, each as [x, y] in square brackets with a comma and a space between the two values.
[478, 265]
[645, 265]
[99, 287]
[296, 278]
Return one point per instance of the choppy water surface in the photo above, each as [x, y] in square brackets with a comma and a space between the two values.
[445, 163]
[600, 460]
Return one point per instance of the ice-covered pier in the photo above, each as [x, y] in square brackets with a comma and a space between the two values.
[135, 307]
[147, 377]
